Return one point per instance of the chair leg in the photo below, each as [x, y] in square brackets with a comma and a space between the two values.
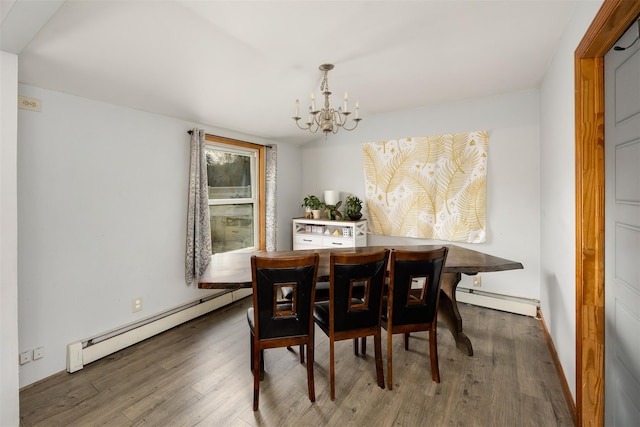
[377, 341]
[256, 376]
[332, 379]
[251, 350]
[355, 347]
[389, 358]
[433, 352]
[310, 380]
[252, 356]
[406, 341]
[363, 347]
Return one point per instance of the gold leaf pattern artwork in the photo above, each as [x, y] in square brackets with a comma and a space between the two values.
[430, 187]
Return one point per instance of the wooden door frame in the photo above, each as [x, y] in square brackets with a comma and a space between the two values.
[611, 21]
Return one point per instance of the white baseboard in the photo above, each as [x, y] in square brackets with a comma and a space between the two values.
[498, 302]
[80, 354]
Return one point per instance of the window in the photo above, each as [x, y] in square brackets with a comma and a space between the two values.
[235, 173]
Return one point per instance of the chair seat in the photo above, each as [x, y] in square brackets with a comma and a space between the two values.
[321, 314]
[250, 319]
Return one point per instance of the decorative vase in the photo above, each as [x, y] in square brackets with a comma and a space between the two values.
[355, 216]
[316, 213]
[331, 197]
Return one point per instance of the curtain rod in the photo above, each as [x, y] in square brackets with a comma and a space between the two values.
[190, 132]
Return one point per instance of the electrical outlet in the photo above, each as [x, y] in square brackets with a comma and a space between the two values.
[477, 281]
[25, 357]
[38, 353]
[30, 104]
[136, 304]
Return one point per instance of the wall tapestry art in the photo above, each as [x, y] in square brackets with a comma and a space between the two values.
[431, 187]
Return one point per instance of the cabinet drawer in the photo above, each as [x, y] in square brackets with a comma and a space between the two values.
[308, 240]
[337, 242]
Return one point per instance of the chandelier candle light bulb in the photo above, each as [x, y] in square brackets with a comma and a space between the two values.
[346, 98]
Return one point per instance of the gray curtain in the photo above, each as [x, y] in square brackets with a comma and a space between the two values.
[198, 253]
[270, 197]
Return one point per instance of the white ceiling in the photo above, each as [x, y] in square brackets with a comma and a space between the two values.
[240, 65]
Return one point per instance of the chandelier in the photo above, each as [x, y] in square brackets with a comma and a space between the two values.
[327, 119]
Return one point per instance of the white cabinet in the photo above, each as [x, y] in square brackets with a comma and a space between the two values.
[325, 233]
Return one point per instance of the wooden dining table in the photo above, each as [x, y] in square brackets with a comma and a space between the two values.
[232, 270]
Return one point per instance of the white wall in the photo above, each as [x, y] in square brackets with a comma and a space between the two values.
[9, 407]
[102, 196]
[289, 193]
[513, 193]
[557, 135]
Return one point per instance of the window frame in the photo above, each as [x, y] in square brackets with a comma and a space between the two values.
[260, 178]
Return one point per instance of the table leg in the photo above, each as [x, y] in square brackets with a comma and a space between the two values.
[449, 314]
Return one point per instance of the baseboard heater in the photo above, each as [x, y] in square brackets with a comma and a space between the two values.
[497, 301]
[91, 349]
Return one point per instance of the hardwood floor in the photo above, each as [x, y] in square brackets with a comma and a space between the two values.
[198, 374]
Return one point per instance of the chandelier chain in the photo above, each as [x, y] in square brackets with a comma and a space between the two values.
[324, 87]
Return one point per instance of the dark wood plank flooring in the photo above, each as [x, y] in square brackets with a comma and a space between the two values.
[198, 374]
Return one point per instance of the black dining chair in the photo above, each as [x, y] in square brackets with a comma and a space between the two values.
[412, 301]
[356, 282]
[276, 322]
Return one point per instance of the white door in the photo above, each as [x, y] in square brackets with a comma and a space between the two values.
[622, 233]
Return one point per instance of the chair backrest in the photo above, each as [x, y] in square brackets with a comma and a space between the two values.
[355, 289]
[276, 317]
[414, 285]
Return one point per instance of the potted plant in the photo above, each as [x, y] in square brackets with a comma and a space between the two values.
[353, 207]
[332, 210]
[313, 204]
